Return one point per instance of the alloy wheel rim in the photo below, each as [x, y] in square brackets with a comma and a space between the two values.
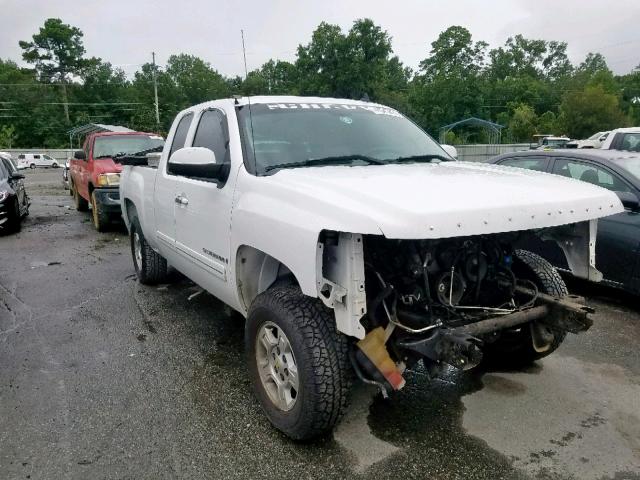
[277, 366]
[137, 249]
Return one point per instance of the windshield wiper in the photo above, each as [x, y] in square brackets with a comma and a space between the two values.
[337, 160]
[419, 158]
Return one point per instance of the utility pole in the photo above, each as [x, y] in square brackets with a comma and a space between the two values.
[155, 89]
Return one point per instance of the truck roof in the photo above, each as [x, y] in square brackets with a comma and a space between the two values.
[110, 134]
[261, 99]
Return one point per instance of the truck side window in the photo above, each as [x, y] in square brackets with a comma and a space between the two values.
[181, 133]
[211, 134]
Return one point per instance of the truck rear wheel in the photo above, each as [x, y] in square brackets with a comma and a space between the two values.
[81, 204]
[151, 267]
[298, 362]
[100, 219]
[516, 347]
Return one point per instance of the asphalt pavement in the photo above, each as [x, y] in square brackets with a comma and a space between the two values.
[103, 378]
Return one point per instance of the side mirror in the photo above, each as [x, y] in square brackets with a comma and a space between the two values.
[79, 155]
[451, 150]
[629, 200]
[196, 162]
[17, 176]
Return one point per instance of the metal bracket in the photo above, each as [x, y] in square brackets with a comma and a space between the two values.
[340, 282]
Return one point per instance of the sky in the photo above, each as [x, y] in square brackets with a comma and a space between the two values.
[125, 32]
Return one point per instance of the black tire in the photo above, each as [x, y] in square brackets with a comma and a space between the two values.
[151, 268]
[514, 347]
[321, 356]
[100, 219]
[54, 165]
[32, 166]
[15, 221]
[81, 204]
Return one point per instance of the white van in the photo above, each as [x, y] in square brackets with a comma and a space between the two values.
[33, 160]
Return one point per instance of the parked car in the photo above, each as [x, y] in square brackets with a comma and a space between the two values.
[353, 242]
[594, 141]
[618, 239]
[14, 201]
[627, 139]
[33, 160]
[94, 176]
[549, 142]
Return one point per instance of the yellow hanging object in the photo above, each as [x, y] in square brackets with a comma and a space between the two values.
[373, 348]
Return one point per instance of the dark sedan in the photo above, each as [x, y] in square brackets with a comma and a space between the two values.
[14, 202]
[618, 240]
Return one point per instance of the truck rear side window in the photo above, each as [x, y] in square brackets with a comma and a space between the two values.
[181, 133]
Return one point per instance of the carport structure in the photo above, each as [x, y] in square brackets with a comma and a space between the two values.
[494, 130]
[82, 131]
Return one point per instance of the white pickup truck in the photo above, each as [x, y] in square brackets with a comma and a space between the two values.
[354, 244]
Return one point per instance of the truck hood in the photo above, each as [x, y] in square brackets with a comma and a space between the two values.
[439, 200]
[106, 165]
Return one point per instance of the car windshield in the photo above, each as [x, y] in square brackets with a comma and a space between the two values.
[291, 135]
[595, 136]
[554, 142]
[112, 145]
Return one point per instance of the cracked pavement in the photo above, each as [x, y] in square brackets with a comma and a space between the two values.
[103, 378]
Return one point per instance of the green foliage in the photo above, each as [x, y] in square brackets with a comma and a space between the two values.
[527, 85]
[7, 136]
[584, 112]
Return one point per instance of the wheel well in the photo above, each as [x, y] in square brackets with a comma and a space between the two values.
[257, 271]
[130, 209]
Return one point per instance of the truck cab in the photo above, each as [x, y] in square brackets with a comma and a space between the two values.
[94, 176]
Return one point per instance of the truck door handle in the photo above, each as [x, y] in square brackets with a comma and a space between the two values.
[182, 200]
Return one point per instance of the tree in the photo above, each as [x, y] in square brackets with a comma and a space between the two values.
[195, 79]
[454, 54]
[7, 136]
[447, 87]
[57, 52]
[523, 123]
[352, 65]
[591, 110]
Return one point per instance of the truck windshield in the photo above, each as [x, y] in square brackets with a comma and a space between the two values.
[294, 135]
[112, 145]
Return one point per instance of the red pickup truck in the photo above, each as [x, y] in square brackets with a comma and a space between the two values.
[94, 176]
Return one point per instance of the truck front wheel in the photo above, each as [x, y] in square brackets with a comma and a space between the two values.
[151, 267]
[100, 219]
[298, 362]
[517, 347]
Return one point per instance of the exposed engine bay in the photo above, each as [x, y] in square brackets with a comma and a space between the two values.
[443, 301]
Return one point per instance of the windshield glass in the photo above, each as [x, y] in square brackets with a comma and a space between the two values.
[294, 133]
[555, 142]
[127, 144]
